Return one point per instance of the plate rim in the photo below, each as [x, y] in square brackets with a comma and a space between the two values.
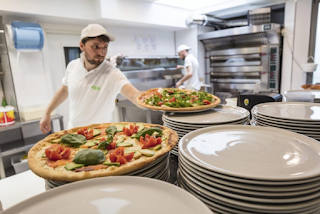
[97, 181]
[247, 113]
[230, 173]
[286, 103]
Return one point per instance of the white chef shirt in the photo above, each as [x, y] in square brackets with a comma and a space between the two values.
[193, 83]
[92, 94]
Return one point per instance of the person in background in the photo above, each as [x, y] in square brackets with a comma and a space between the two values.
[191, 65]
[91, 83]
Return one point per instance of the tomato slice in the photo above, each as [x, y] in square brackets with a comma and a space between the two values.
[119, 151]
[159, 140]
[129, 156]
[135, 130]
[112, 146]
[160, 103]
[128, 131]
[142, 141]
[89, 134]
[173, 99]
[121, 159]
[57, 152]
[80, 131]
[152, 142]
[206, 102]
[65, 154]
[146, 138]
[54, 155]
[113, 157]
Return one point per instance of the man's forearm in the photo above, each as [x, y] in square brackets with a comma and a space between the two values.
[185, 78]
[60, 96]
[130, 92]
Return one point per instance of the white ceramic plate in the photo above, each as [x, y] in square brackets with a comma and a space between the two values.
[291, 110]
[200, 125]
[190, 126]
[260, 153]
[267, 186]
[249, 198]
[214, 206]
[255, 207]
[219, 114]
[304, 131]
[245, 204]
[114, 195]
[286, 122]
[253, 190]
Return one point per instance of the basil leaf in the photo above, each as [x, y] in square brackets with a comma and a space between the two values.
[75, 140]
[89, 157]
[104, 144]
[111, 130]
[148, 131]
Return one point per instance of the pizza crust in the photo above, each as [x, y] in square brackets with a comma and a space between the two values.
[171, 109]
[37, 165]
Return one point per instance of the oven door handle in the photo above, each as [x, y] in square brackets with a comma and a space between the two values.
[236, 81]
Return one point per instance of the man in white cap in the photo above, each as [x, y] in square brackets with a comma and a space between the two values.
[191, 66]
[91, 83]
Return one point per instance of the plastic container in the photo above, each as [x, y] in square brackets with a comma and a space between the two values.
[32, 112]
[7, 115]
[299, 96]
[231, 101]
[18, 164]
[309, 67]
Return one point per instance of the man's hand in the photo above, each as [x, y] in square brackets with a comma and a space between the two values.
[180, 67]
[178, 84]
[45, 124]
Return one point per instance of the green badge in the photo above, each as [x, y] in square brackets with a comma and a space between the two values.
[95, 88]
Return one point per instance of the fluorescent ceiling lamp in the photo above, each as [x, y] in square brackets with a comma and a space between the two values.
[190, 4]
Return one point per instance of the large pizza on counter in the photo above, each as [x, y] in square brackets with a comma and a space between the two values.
[99, 150]
[177, 100]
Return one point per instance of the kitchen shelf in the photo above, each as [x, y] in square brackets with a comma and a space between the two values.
[23, 144]
[14, 147]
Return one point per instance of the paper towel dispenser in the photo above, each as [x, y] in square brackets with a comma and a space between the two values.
[27, 36]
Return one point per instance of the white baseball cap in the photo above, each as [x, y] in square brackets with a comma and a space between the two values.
[94, 30]
[183, 47]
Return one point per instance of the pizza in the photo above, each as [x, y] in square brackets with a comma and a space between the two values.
[173, 99]
[99, 150]
[311, 87]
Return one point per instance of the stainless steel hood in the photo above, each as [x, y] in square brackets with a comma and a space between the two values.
[248, 36]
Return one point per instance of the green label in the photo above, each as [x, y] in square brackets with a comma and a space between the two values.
[95, 87]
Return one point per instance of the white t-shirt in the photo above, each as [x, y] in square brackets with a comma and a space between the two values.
[92, 94]
[193, 83]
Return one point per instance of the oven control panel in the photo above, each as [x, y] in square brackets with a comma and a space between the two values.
[273, 67]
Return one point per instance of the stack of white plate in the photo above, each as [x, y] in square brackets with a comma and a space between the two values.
[183, 123]
[120, 194]
[159, 169]
[300, 117]
[246, 169]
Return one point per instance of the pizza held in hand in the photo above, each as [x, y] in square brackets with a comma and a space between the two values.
[99, 150]
[172, 99]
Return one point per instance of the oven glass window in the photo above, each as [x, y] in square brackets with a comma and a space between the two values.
[71, 53]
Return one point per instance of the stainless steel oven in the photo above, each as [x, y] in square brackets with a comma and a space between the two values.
[239, 58]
